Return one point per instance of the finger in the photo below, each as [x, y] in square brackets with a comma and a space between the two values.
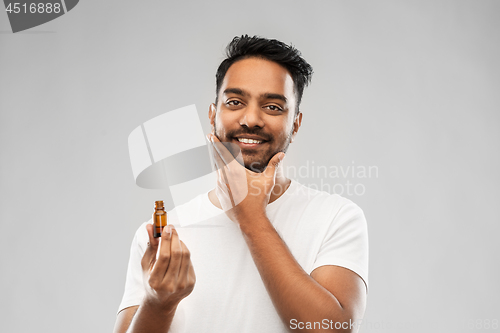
[220, 167]
[185, 265]
[152, 240]
[223, 191]
[191, 275]
[149, 256]
[172, 273]
[229, 152]
[273, 164]
[222, 150]
[219, 162]
[212, 152]
[163, 261]
[225, 179]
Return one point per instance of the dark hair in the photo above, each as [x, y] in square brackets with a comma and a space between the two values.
[271, 49]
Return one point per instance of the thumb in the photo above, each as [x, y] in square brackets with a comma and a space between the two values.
[149, 258]
[274, 163]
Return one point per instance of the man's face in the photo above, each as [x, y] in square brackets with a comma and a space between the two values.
[256, 102]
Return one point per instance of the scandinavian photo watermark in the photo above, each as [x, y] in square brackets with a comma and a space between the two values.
[349, 179]
[344, 180]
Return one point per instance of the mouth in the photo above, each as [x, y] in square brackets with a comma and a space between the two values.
[249, 142]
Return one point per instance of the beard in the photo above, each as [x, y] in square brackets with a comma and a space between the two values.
[255, 161]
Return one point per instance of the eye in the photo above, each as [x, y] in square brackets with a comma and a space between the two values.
[233, 102]
[274, 108]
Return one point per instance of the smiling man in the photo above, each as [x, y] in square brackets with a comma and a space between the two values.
[272, 255]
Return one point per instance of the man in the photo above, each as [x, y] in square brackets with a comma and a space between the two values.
[272, 255]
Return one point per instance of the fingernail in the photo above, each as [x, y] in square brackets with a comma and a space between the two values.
[168, 229]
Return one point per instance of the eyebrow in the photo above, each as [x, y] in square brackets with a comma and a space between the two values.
[241, 92]
[236, 91]
[274, 96]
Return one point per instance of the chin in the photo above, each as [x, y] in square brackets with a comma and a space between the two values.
[255, 166]
[256, 169]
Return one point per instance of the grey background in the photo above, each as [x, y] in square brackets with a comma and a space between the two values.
[410, 87]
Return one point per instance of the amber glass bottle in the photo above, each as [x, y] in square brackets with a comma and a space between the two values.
[159, 218]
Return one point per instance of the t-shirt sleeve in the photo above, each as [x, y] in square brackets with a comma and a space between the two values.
[134, 287]
[346, 241]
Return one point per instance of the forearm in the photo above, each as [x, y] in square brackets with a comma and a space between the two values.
[295, 294]
[149, 318]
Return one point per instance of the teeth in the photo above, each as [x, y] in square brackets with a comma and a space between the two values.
[249, 140]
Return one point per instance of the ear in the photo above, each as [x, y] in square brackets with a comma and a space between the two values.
[296, 125]
[211, 115]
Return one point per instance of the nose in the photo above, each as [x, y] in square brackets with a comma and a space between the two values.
[252, 117]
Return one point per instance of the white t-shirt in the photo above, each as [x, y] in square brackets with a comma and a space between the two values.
[229, 296]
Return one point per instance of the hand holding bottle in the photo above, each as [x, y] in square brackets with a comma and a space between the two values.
[170, 277]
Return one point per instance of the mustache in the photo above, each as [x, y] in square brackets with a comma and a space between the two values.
[258, 132]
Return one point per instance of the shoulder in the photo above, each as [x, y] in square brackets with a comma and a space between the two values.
[141, 236]
[330, 203]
